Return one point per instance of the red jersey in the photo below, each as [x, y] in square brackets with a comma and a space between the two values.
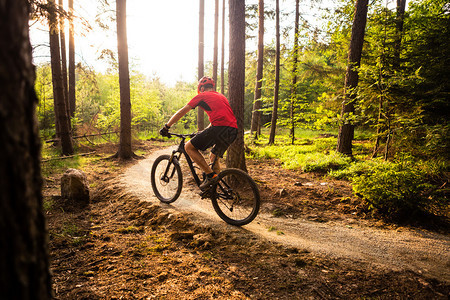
[216, 107]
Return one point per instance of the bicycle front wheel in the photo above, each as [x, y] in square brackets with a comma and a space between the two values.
[235, 197]
[167, 179]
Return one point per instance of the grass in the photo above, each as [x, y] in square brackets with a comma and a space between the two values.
[59, 165]
[312, 152]
[395, 188]
[53, 167]
[308, 155]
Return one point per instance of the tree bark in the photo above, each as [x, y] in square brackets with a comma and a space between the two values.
[347, 128]
[201, 67]
[62, 119]
[236, 80]
[222, 61]
[216, 41]
[273, 124]
[24, 254]
[294, 72]
[256, 113]
[125, 152]
[72, 100]
[401, 5]
[379, 127]
[62, 38]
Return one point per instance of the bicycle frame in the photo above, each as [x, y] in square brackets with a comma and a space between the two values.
[235, 204]
[176, 155]
[175, 158]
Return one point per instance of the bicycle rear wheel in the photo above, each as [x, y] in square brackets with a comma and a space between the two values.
[235, 197]
[167, 179]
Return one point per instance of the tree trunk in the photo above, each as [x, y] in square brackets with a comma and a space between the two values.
[62, 37]
[346, 130]
[256, 113]
[294, 72]
[216, 41]
[236, 80]
[379, 127]
[72, 101]
[125, 151]
[24, 254]
[273, 124]
[396, 65]
[401, 4]
[62, 119]
[201, 67]
[222, 61]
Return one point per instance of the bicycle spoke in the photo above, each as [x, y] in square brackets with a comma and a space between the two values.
[236, 197]
[166, 179]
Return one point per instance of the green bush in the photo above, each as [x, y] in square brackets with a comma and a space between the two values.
[353, 169]
[400, 189]
[321, 162]
[311, 157]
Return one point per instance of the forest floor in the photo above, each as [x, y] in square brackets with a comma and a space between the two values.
[126, 245]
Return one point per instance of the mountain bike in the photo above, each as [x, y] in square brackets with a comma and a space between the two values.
[235, 195]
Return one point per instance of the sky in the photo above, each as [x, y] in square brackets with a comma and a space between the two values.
[162, 36]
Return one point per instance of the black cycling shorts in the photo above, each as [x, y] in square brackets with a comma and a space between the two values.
[220, 137]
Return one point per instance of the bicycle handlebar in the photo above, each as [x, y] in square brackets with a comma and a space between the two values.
[190, 135]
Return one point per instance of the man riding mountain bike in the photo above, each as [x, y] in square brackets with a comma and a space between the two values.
[221, 132]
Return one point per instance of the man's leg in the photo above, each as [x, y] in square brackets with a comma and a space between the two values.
[198, 158]
[216, 166]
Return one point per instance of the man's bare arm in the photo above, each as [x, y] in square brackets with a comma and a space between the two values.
[178, 115]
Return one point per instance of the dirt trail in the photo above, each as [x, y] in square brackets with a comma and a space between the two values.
[423, 252]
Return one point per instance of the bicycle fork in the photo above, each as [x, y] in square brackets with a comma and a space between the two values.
[173, 160]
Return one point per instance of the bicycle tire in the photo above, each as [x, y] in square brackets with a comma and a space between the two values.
[169, 189]
[235, 197]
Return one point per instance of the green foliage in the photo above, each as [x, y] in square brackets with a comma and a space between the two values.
[321, 162]
[98, 102]
[109, 116]
[56, 166]
[401, 188]
[146, 103]
[175, 98]
[309, 155]
[354, 169]
[44, 91]
[87, 95]
[394, 189]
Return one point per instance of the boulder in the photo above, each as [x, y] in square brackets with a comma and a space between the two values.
[74, 186]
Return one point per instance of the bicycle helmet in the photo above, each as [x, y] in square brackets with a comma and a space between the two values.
[204, 81]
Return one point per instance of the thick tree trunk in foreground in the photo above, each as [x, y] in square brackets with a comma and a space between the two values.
[24, 258]
[62, 119]
[256, 113]
[236, 80]
[125, 151]
[346, 130]
[273, 124]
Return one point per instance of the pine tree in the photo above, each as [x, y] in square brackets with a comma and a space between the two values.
[256, 113]
[347, 128]
[236, 81]
[125, 150]
[24, 255]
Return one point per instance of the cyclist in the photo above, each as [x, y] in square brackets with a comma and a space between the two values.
[220, 133]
